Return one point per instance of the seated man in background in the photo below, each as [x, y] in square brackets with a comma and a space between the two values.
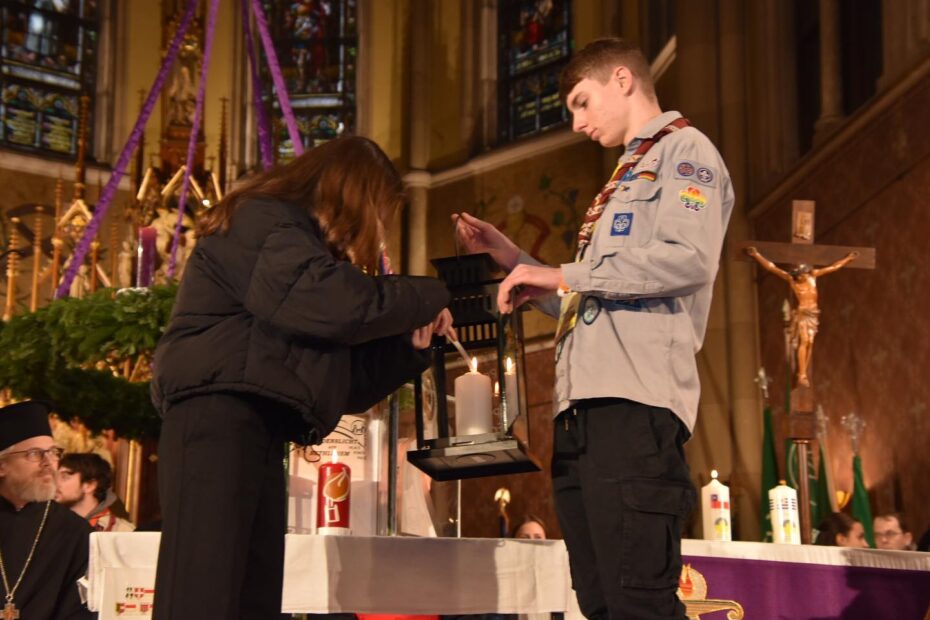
[43, 545]
[891, 532]
[84, 486]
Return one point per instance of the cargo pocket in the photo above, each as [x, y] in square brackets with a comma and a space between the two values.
[653, 512]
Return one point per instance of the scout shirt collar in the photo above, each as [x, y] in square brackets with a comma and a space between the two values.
[652, 127]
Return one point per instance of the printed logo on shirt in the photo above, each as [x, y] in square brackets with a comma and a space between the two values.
[622, 224]
[592, 308]
[684, 169]
[695, 172]
[692, 198]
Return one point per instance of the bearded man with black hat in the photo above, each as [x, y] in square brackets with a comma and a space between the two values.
[43, 545]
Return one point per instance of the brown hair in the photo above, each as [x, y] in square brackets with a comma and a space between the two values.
[902, 522]
[530, 518]
[89, 467]
[832, 525]
[348, 185]
[599, 58]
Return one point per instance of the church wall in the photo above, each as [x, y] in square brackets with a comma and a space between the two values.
[871, 354]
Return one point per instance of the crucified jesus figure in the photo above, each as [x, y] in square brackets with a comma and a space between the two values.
[806, 316]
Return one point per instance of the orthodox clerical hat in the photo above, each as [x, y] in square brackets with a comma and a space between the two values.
[23, 421]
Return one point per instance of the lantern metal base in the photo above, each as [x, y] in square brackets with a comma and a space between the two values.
[473, 456]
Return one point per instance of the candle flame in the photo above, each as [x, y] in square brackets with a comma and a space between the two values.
[508, 363]
[474, 364]
[497, 388]
[335, 457]
[713, 474]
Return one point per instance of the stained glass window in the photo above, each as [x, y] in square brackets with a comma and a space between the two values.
[47, 60]
[317, 46]
[534, 43]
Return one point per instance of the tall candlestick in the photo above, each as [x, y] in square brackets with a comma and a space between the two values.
[12, 261]
[145, 265]
[511, 393]
[473, 402]
[36, 261]
[784, 514]
[332, 499]
[715, 509]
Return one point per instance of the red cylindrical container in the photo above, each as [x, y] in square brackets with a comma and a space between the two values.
[332, 498]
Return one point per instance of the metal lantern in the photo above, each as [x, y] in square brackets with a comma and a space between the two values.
[487, 334]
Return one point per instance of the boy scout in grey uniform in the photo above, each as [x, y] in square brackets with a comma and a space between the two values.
[632, 316]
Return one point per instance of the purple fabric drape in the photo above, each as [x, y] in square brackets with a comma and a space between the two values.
[195, 132]
[265, 145]
[106, 196]
[276, 77]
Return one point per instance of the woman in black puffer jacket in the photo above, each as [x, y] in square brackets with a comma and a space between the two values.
[280, 327]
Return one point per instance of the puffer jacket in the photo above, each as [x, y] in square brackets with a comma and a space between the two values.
[267, 310]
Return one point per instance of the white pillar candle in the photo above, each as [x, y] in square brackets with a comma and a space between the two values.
[783, 512]
[510, 391]
[473, 402]
[715, 509]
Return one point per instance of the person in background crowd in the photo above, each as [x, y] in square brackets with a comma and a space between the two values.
[838, 529]
[892, 532]
[43, 546]
[84, 481]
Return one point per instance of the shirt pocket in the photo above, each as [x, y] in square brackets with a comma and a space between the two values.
[629, 217]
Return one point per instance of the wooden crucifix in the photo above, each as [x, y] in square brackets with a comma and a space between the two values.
[807, 262]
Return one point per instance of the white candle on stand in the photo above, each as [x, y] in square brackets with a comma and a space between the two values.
[783, 512]
[510, 391]
[715, 509]
[473, 402]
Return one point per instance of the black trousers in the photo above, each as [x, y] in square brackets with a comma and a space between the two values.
[224, 517]
[622, 490]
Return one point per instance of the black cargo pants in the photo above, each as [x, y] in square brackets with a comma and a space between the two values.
[622, 491]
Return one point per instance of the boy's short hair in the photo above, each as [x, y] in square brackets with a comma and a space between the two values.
[90, 467]
[598, 58]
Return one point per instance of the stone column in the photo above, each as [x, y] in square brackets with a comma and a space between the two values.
[771, 92]
[417, 260]
[905, 37]
[742, 314]
[831, 81]
[417, 179]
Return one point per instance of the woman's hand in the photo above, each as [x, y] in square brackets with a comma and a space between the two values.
[441, 326]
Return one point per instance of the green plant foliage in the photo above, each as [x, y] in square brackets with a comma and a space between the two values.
[52, 354]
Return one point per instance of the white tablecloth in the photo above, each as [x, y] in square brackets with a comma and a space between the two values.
[363, 574]
[405, 575]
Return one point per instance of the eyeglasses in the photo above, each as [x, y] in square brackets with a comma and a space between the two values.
[888, 534]
[37, 454]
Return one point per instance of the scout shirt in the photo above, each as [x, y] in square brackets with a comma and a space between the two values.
[647, 278]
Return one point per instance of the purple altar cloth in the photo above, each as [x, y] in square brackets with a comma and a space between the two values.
[833, 583]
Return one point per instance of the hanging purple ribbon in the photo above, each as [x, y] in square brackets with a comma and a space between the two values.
[265, 145]
[277, 77]
[109, 191]
[195, 132]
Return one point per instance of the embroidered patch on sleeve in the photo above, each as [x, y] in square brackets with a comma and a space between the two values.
[696, 172]
[622, 224]
[692, 198]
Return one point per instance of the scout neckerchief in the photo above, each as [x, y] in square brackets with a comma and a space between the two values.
[569, 310]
